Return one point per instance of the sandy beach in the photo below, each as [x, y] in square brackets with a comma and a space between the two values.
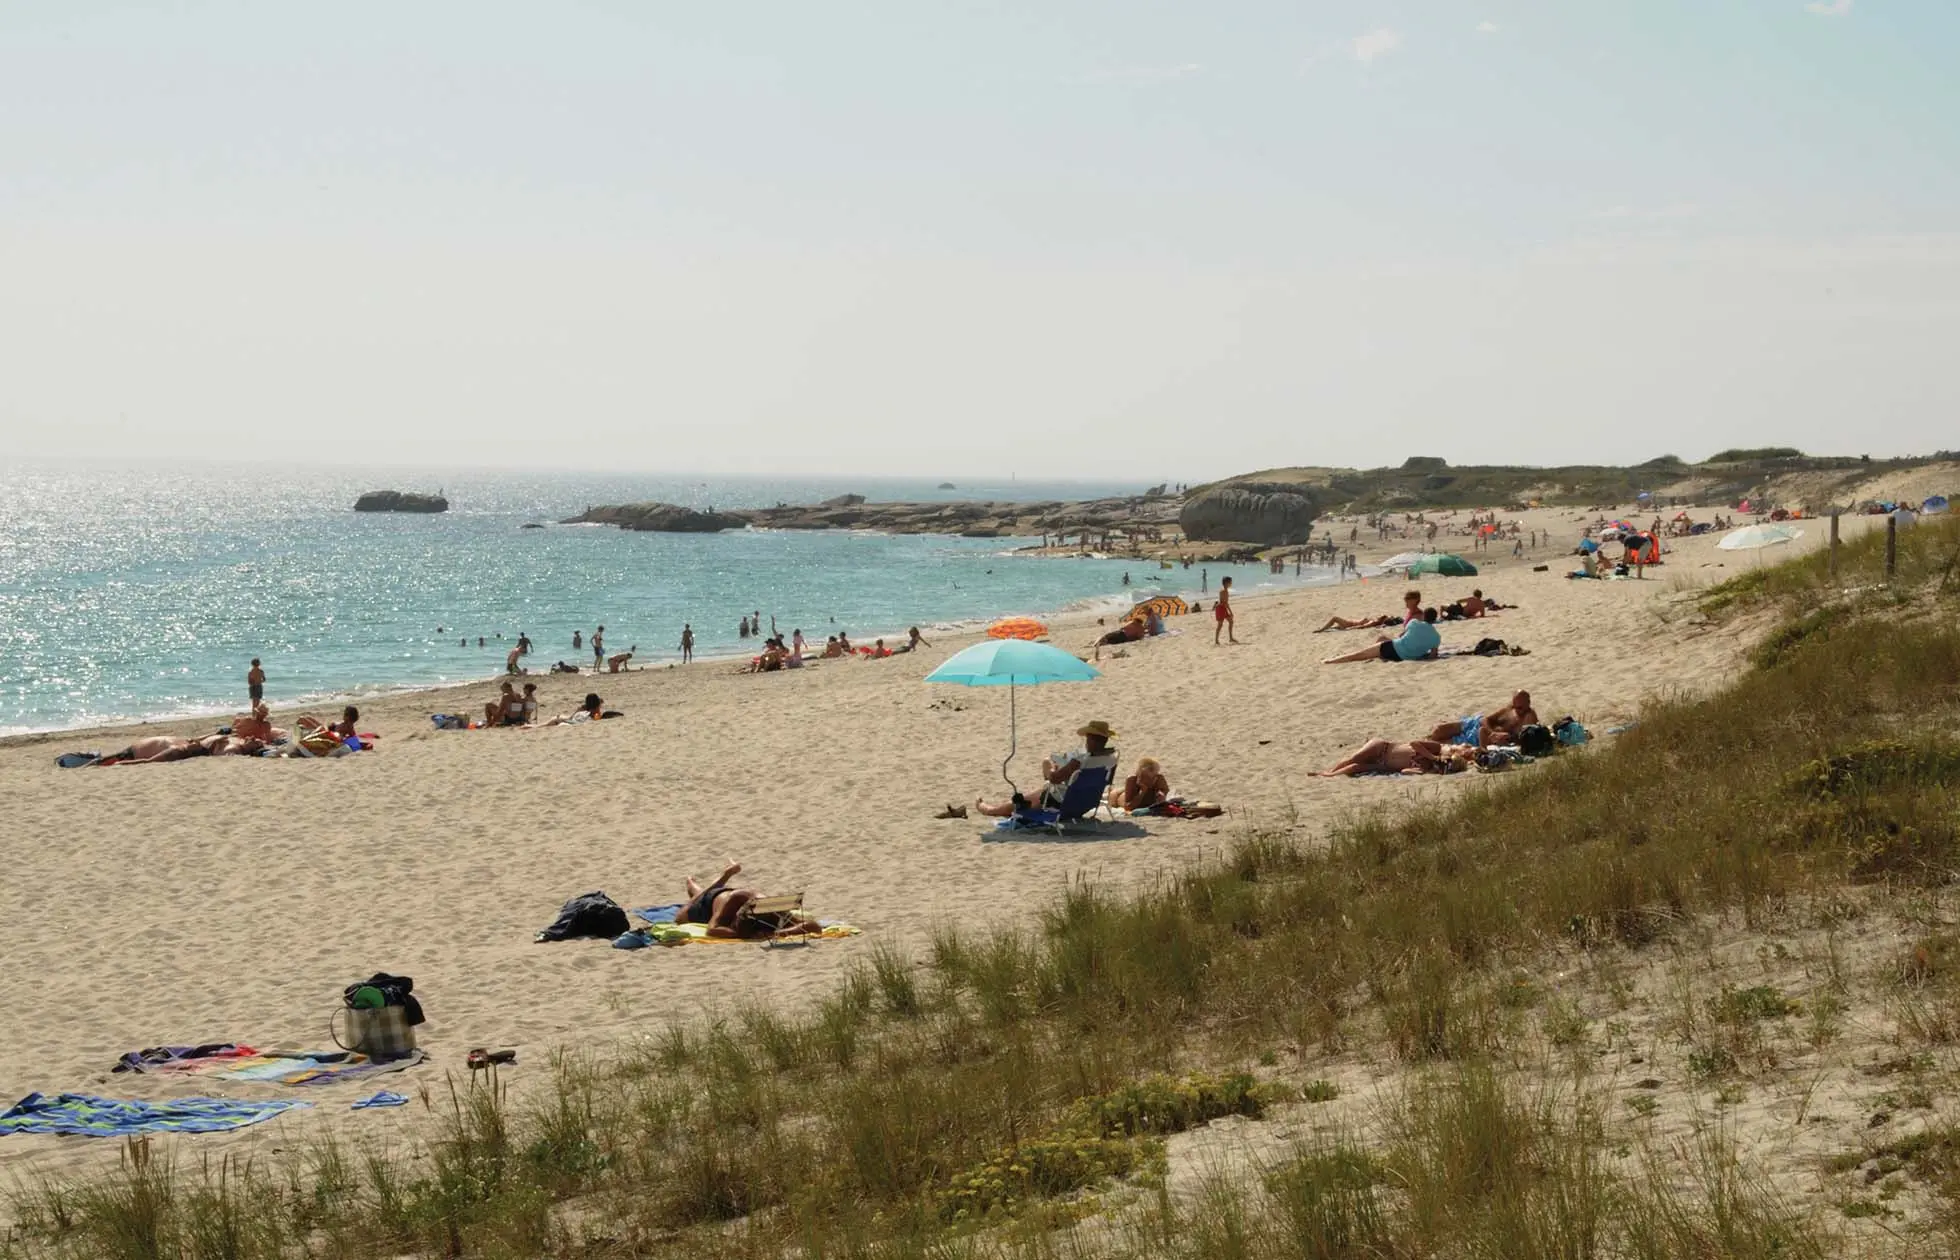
[230, 899]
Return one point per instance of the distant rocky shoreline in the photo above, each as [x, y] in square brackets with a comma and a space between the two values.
[1147, 523]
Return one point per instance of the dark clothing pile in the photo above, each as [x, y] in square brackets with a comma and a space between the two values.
[588, 914]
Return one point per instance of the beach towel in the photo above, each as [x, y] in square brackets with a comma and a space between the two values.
[75, 760]
[183, 1058]
[86, 1115]
[315, 1067]
[662, 930]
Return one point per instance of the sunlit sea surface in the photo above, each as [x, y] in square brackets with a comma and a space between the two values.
[142, 592]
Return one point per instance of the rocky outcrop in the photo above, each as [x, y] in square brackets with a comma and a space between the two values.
[400, 501]
[1266, 513]
[663, 518]
[1107, 523]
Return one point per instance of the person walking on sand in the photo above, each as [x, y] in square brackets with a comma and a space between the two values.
[1221, 612]
[687, 643]
[598, 648]
[255, 681]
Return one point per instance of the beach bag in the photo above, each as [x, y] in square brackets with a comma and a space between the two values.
[1489, 647]
[377, 1017]
[1569, 732]
[1536, 741]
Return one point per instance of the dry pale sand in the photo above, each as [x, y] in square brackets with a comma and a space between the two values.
[232, 898]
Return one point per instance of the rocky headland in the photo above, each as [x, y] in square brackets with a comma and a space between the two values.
[400, 501]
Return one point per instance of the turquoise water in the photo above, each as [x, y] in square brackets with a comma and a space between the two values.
[129, 593]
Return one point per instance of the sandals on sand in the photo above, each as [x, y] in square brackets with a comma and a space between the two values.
[952, 811]
[480, 1058]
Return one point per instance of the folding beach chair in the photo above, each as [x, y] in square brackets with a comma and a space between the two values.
[1082, 799]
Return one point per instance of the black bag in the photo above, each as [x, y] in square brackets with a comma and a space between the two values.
[1536, 741]
[1489, 647]
[588, 914]
[395, 991]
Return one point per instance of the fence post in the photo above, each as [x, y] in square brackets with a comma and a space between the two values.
[1834, 545]
[1891, 546]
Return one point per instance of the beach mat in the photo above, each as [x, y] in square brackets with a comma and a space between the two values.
[85, 1115]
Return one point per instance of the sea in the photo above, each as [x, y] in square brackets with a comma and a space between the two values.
[131, 592]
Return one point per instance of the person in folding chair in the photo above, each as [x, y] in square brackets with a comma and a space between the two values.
[1067, 779]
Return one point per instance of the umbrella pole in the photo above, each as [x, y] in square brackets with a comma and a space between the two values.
[1012, 744]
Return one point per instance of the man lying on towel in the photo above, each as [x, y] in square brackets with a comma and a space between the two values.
[740, 914]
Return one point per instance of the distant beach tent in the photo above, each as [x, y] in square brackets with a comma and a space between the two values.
[1163, 606]
[1756, 537]
[1017, 628]
[1443, 565]
[1934, 506]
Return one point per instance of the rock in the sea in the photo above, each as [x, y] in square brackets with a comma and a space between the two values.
[947, 485]
[1270, 514]
[400, 501]
[664, 518]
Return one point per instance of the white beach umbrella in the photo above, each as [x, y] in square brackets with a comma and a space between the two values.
[1755, 537]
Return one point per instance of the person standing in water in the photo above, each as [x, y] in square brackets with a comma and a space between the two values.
[687, 643]
[598, 648]
[255, 681]
[1221, 612]
[578, 641]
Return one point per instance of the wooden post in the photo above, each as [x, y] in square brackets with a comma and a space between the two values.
[1891, 546]
[1834, 545]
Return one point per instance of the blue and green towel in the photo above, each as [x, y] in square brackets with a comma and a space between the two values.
[86, 1115]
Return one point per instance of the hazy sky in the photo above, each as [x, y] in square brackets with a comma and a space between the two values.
[925, 236]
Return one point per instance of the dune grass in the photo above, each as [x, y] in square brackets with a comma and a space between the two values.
[1011, 1091]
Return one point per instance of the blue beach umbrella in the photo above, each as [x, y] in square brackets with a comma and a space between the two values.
[1006, 662]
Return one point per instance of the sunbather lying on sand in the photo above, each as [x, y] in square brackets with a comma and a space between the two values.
[1500, 726]
[1417, 756]
[1359, 623]
[591, 711]
[1417, 640]
[157, 748]
[725, 911]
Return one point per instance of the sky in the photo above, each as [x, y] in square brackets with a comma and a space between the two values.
[1130, 238]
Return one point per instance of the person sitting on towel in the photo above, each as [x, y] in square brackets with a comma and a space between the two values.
[1417, 641]
[1145, 788]
[1059, 772]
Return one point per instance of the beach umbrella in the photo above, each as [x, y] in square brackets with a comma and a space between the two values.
[1444, 564]
[1756, 537]
[1402, 560]
[1005, 663]
[1017, 628]
[1162, 605]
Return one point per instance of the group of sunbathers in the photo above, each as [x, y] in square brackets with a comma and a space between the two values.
[1451, 747]
[779, 655]
[250, 734]
[512, 709]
